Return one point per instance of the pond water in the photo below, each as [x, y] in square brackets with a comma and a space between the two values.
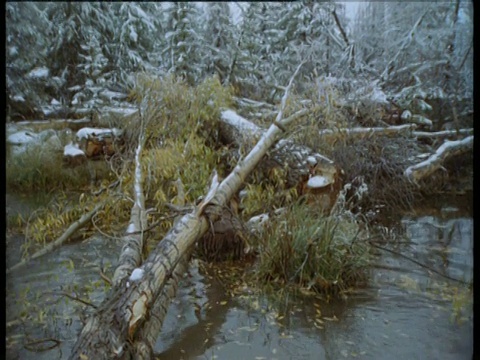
[407, 312]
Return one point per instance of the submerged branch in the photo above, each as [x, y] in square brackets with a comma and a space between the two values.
[65, 236]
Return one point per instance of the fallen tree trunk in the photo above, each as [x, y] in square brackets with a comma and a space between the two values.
[131, 255]
[298, 160]
[441, 134]
[65, 236]
[118, 322]
[435, 161]
[366, 132]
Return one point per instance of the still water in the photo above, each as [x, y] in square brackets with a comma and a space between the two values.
[407, 311]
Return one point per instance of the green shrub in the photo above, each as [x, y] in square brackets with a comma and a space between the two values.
[42, 170]
[323, 254]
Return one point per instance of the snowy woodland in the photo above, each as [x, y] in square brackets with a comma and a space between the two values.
[270, 131]
[65, 54]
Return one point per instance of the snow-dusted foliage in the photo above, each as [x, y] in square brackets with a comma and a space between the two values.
[69, 53]
[415, 46]
[182, 50]
[218, 43]
[25, 50]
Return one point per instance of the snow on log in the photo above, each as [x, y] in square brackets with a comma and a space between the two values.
[131, 256]
[421, 120]
[366, 132]
[299, 160]
[442, 134]
[117, 323]
[434, 162]
[73, 155]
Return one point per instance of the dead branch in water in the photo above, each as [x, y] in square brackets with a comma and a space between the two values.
[62, 239]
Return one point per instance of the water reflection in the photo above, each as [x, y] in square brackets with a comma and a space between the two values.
[407, 312]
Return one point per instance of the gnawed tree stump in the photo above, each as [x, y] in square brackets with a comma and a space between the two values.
[225, 240]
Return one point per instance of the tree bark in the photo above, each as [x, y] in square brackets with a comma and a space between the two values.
[131, 255]
[367, 132]
[297, 159]
[118, 322]
[434, 162]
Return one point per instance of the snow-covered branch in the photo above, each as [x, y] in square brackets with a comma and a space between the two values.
[434, 162]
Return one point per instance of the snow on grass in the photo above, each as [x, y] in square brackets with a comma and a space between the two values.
[72, 150]
[112, 95]
[18, 98]
[131, 228]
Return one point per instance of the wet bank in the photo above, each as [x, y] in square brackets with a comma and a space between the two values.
[408, 311]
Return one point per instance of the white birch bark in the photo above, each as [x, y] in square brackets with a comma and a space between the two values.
[120, 318]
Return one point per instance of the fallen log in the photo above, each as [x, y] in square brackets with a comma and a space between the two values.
[448, 149]
[62, 239]
[441, 134]
[131, 255]
[300, 161]
[119, 320]
[367, 132]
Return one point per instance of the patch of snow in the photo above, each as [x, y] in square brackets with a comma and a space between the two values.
[48, 110]
[18, 98]
[378, 96]
[112, 95]
[120, 111]
[406, 115]
[39, 73]
[72, 150]
[131, 228]
[243, 193]
[86, 132]
[232, 118]
[311, 161]
[13, 51]
[133, 35]
[424, 106]
[75, 88]
[21, 138]
[256, 223]
[55, 102]
[137, 274]
[318, 182]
